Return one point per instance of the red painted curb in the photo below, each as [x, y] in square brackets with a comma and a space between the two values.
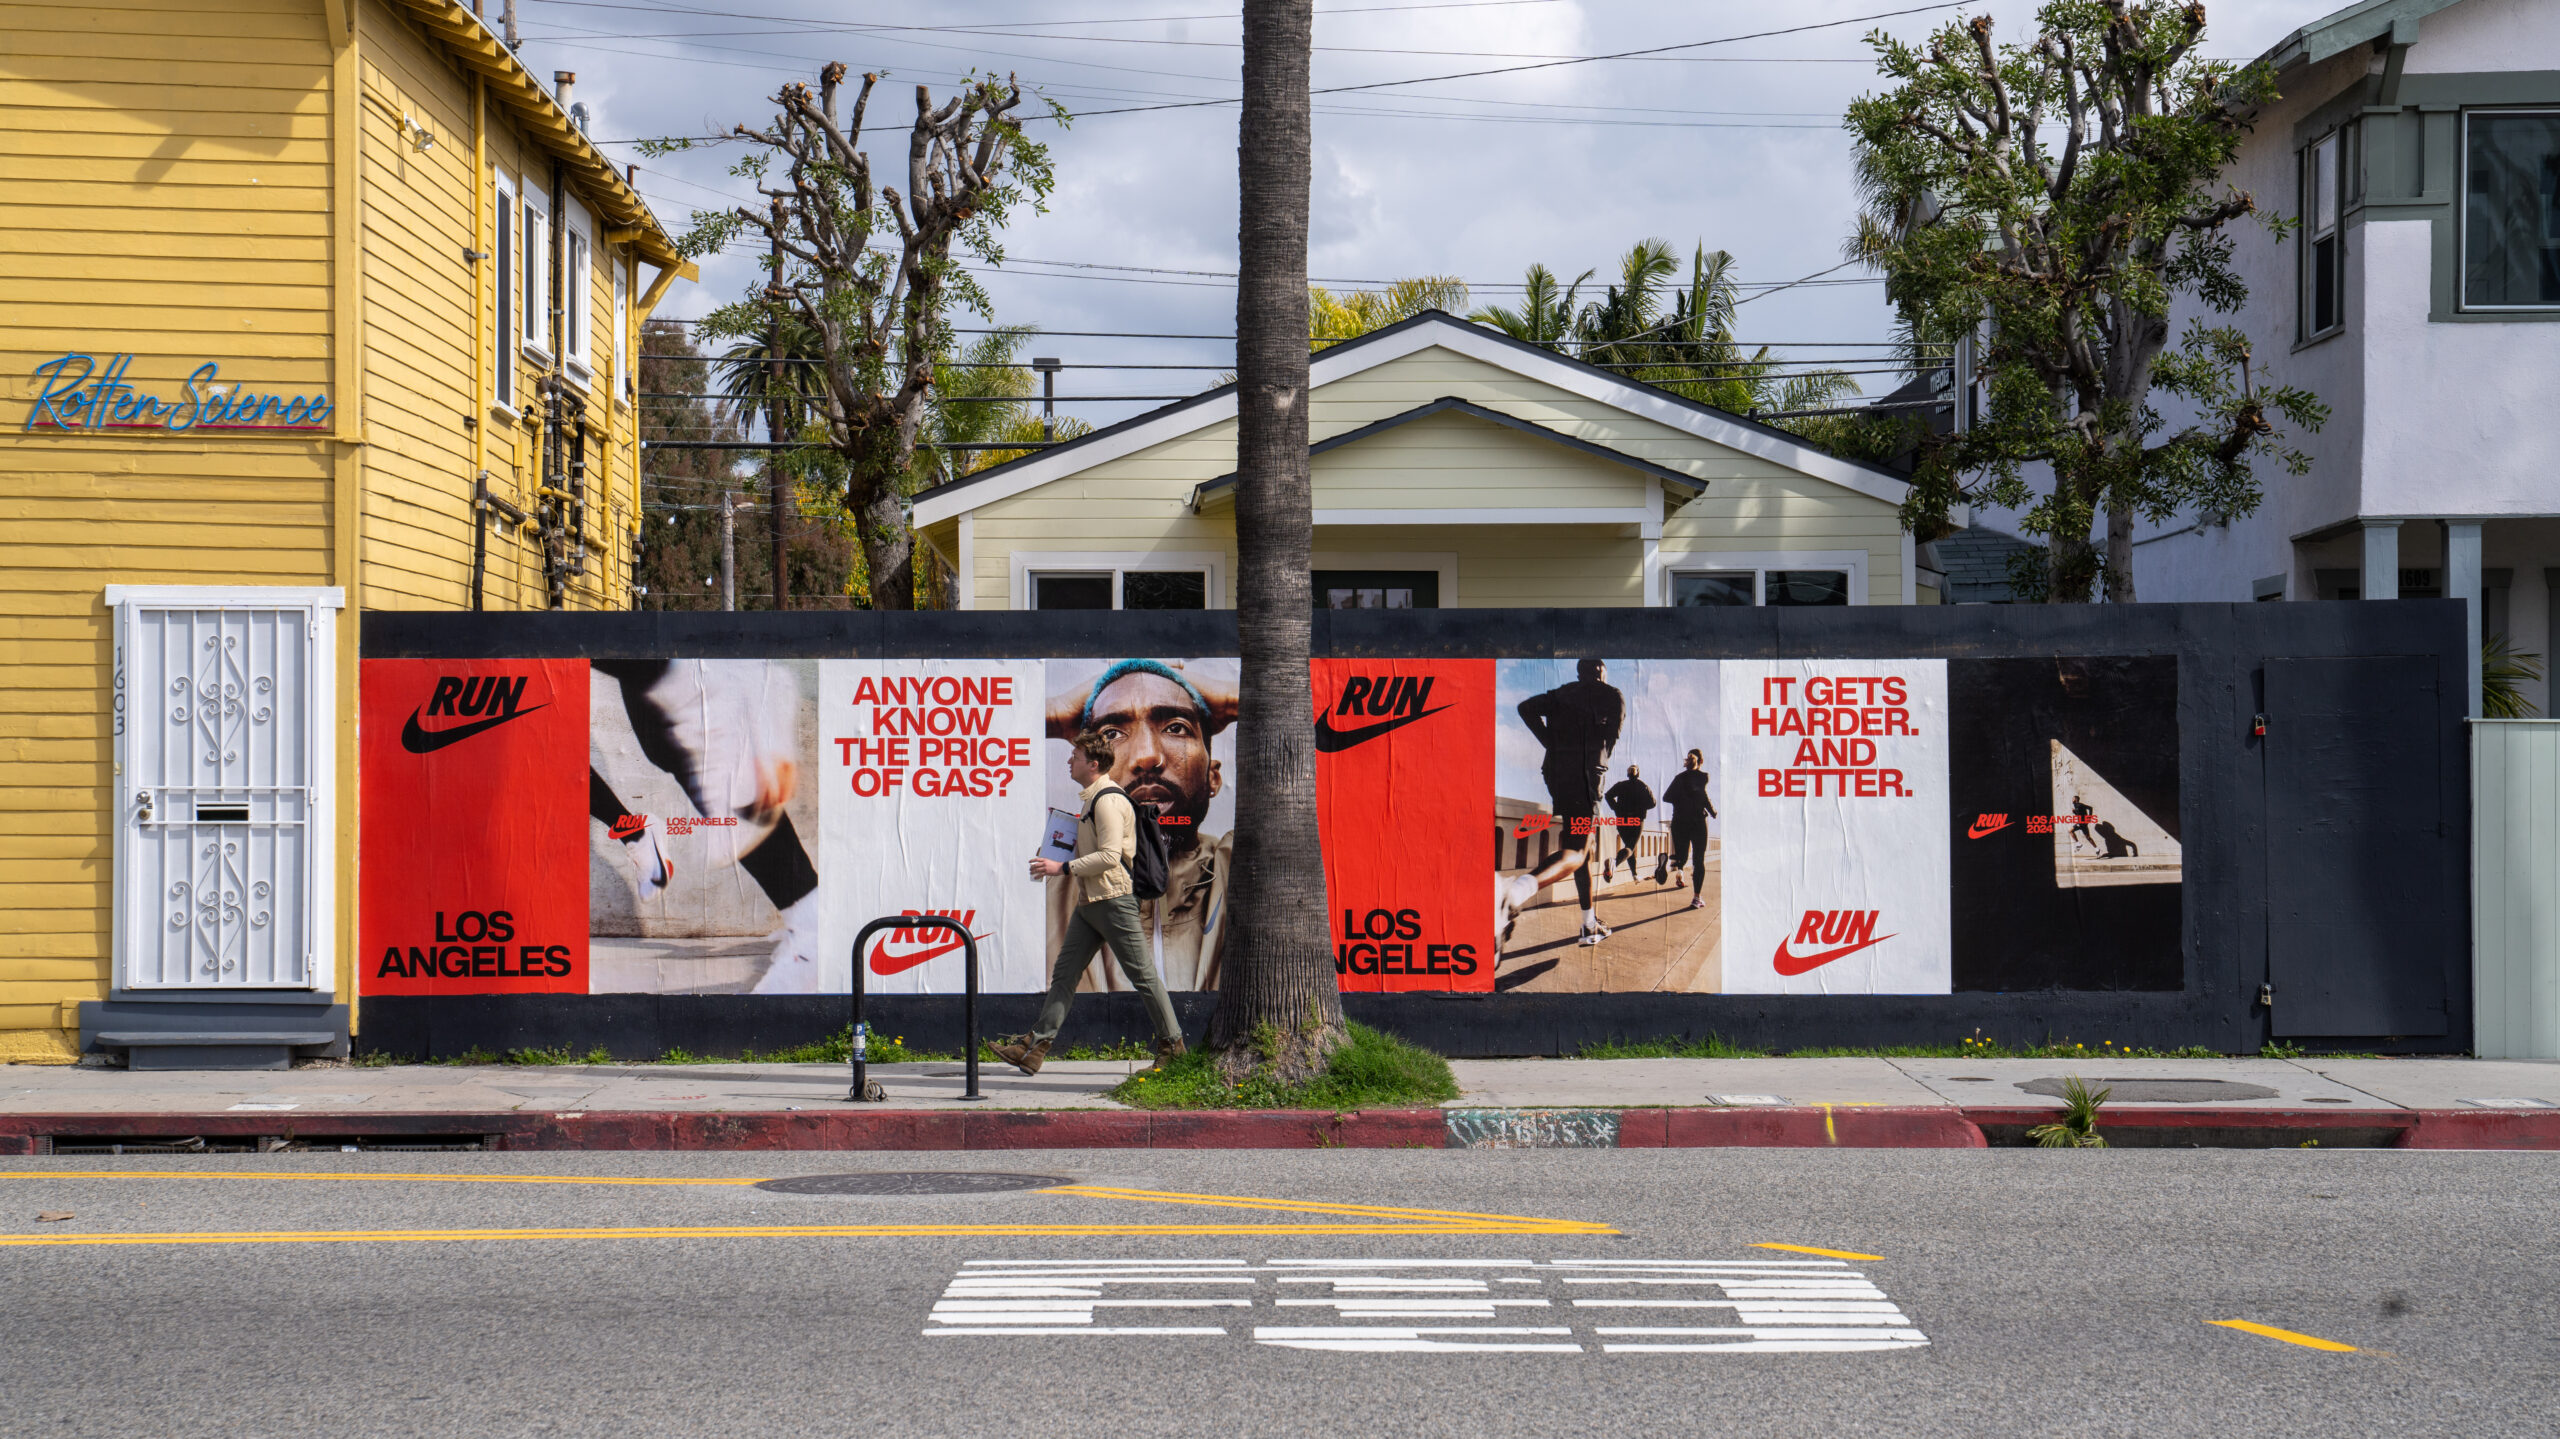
[1814, 1127]
[1794, 1127]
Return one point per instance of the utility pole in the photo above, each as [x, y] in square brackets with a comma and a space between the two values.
[728, 549]
[508, 21]
[774, 480]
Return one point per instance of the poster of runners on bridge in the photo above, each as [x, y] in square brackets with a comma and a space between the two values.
[1583, 825]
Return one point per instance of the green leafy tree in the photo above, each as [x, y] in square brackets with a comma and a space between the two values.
[1650, 326]
[866, 270]
[2065, 193]
[1348, 316]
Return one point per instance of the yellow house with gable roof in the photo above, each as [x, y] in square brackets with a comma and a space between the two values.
[309, 307]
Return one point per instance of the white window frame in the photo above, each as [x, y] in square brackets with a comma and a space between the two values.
[534, 331]
[1444, 562]
[321, 604]
[623, 387]
[1759, 563]
[2324, 169]
[2462, 217]
[1116, 563]
[577, 289]
[508, 298]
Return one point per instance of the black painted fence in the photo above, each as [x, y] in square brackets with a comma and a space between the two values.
[2372, 789]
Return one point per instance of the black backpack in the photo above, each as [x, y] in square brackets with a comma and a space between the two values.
[1152, 864]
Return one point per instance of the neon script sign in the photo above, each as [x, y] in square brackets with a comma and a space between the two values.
[75, 393]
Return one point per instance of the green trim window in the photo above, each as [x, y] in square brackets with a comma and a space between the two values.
[2324, 240]
[2511, 210]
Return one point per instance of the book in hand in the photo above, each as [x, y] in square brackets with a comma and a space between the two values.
[1058, 839]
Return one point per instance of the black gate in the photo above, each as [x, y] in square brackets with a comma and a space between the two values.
[2361, 922]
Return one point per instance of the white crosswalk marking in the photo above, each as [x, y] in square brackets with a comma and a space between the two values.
[1784, 1306]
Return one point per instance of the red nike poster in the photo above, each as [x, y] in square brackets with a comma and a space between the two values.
[474, 784]
[1404, 768]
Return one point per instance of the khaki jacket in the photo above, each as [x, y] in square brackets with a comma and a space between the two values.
[1106, 840]
[1185, 931]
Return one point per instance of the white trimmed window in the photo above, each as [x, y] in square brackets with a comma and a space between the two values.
[1117, 581]
[503, 362]
[534, 331]
[1707, 581]
[2323, 237]
[577, 288]
[620, 264]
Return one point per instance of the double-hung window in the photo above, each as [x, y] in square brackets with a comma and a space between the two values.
[503, 362]
[1731, 584]
[577, 288]
[535, 332]
[620, 264]
[2511, 210]
[2323, 236]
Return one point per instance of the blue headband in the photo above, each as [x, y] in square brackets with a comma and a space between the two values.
[1124, 668]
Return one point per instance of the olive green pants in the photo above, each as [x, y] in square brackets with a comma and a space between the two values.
[1094, 924]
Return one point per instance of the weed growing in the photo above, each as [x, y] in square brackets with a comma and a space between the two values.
[2078, 1127]
[1371, 1070]
[1714, 1046]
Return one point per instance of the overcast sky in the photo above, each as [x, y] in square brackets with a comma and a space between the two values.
[1736, 145]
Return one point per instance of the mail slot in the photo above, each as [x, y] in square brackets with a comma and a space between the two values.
[222, 814]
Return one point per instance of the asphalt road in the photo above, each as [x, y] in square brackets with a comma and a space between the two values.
[2034, 1293]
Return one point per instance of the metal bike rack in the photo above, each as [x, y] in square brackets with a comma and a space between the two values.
[864, 1091]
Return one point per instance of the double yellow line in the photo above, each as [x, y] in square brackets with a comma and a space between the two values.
[1347, 1219]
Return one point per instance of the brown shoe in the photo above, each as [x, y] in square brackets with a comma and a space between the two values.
[1022, 1052]
[1169, 1050]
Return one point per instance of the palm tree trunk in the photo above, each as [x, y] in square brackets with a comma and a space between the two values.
[1278, 969]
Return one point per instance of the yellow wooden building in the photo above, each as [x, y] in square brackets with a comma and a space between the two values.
[309, 307]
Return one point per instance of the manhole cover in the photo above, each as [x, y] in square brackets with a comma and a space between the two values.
[2158, 1091]
[912, 1182]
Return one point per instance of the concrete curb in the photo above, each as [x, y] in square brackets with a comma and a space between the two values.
[1793, 1127]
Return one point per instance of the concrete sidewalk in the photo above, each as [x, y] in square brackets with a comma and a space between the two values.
[1525, 1103]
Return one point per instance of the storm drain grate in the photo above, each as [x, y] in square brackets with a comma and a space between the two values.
[927, 1181]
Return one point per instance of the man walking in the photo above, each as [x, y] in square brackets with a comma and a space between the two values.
[1106, 911]
[1690, 811]
[1630, 799]
[1577, 725]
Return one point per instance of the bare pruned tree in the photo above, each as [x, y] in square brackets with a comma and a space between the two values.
[866, 269]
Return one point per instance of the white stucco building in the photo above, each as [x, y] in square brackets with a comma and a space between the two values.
[2420, 142]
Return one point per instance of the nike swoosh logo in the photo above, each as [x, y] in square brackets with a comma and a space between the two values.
[1978, 829]
[1792, 965]
[883, 962]
[417, 740]
[1333, 741]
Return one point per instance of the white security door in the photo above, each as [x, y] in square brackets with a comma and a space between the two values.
[226, 706]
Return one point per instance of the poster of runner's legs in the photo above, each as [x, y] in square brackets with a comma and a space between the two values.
[703, 824]
[932, 801]
[1608, 874]
[1171, 726]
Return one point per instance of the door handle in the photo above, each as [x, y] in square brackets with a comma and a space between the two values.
[142, 807]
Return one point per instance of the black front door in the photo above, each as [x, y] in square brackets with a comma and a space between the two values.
[2362, 923]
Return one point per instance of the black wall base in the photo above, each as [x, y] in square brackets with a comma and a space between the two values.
[648, 1026]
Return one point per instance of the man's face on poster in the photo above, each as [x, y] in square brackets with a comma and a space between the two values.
[1159, 745]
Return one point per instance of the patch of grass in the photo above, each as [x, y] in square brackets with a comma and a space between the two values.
[1117, 1049]
[1370, 1071]
[837, 1048]
[1714, 1046]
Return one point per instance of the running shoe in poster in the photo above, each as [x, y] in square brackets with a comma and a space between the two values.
[471, 881]
[1171, 726]
[1835, 842]
[704, 813]
[1404, 757]
[1606, 794]
[932, 804]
